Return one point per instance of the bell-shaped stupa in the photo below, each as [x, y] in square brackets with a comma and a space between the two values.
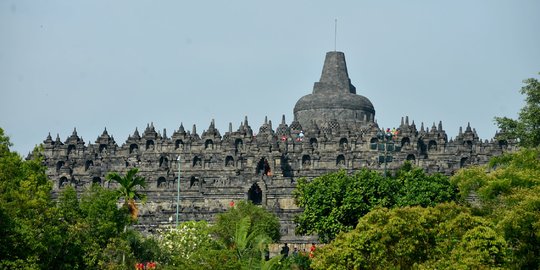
[334, 98]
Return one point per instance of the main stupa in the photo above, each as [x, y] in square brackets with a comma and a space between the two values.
[334, 98]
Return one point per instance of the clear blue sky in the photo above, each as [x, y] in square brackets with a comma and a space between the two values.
[123, 64]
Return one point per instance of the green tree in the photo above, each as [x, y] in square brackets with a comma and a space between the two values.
[504, 175]
[103, 225]
[446, 236]
[182, 246]
[418, 188]
[92, 230]
[246, 230]
[38, 232]
[145, 248]
[128, 189]
[508, 190]
[334, 202]
[520, 225]
[527, 127]
[28, 217]
[249, 246]
[261, 220]
[300, 261]
[71, 248]
[236, 241]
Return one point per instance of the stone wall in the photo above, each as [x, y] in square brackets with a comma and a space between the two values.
[262, 167]
[338, 133]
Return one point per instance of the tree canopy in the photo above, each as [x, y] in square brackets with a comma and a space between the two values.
[508, 191]
[334, 202]
[27, 215]
[66, 233]
[261, 220]
[237, 240]
[491, 224]
[128, 189]
[446, 236]
[89, 231]
[526, 128]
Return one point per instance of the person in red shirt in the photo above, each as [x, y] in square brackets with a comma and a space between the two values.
[312, 250]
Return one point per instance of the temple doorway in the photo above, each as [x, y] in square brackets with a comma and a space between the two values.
[255, 194]
[263, 167]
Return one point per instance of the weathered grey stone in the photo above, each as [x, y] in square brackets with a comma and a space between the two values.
[334, 129]
[334, 97]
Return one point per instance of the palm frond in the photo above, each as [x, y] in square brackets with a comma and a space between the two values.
[241, 234]
[113, 177]
[131, 173]
[273, 263]
[127, 189]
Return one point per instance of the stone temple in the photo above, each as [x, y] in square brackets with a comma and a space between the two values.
[333, 128]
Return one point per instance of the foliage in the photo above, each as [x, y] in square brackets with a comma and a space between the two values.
[418, 188]
[249, 246]
[527, 127]
[299, 261]
[144, 248]
[128, 189]
[237, 240]
[88, 232]
[102, 224]
[445, 236]
[520, 225]
[504, 175]
[261, 221]
[91, 232]
[247, 229]
[509, 193]
[38, 232]
[180, 245]
[27, 217]
[334, 202]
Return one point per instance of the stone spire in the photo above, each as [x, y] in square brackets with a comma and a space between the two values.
[433, 128]
[58, 141]
[48, 140]
[181, 129]
[136, 134]
[282, 128]
[334, 77]
[74, 138]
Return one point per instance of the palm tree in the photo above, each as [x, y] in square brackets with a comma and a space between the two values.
[250, 246]
[128, 189]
